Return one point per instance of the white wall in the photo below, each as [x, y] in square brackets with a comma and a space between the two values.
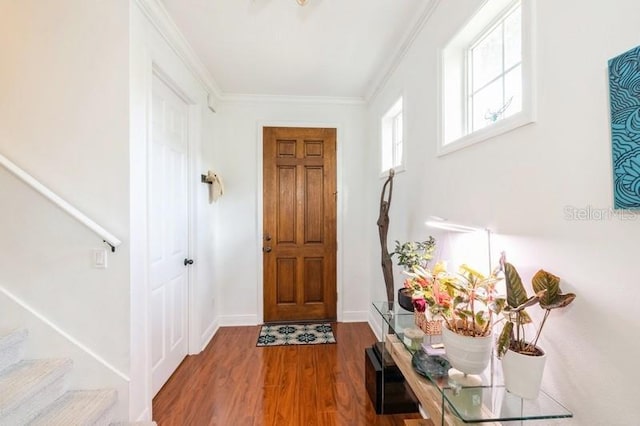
[67, 93]
[238, 157]
[206, 297]
[519, 184]
[64, 119]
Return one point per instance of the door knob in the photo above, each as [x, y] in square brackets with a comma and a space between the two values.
[266, 249]
[267, 237]
[188, 262]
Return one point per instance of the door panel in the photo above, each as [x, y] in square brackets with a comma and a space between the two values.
[314, 206]
[313, 279]
[168, 231]
[299, 220]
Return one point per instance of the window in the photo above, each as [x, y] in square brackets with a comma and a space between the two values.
[487, 75]
[392, 138]
[495, 72]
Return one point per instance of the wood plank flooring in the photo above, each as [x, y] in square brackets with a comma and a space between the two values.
[234, 383]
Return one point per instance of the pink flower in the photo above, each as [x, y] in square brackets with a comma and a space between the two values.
[423, 282]
[419, 305]
[443, 299]
[407, 283]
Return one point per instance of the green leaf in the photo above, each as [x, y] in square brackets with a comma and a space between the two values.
[524, 318]
[412, 253]
[516, 294]
[459, 300]
[480, 320]
[529, 302]
[498, 305]
[560, 301]
[544, 280]
[505, 339]
[517, 317]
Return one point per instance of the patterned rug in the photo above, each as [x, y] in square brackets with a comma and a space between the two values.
[295, 334]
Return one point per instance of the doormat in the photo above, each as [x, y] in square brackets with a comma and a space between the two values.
[295, 334]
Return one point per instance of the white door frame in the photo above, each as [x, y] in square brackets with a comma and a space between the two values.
[151, 55]
[193, 148]
[193, 137]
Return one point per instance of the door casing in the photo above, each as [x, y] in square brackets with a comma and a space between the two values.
[260, 206]
[194, 132]
[140, 293]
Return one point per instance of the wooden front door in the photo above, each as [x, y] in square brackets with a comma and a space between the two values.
[299, 220]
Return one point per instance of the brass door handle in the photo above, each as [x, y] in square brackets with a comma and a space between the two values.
[266, 249]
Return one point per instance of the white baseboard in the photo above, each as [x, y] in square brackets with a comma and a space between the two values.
[236, 320]
[206, 337]
[355, 316]
[144, 416]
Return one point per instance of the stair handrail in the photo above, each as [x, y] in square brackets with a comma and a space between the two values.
[106, 236]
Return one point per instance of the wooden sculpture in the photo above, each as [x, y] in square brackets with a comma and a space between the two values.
[383, 229]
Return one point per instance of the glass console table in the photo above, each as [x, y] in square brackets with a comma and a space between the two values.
[454, 398]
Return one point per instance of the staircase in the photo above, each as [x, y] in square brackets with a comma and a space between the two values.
[34, 391]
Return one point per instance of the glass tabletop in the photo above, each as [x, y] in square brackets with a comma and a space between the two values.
[472, 398]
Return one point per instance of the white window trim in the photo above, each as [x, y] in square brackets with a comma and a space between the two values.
[387, 114]
[526, 116]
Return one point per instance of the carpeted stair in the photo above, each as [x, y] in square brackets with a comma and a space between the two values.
[34, 391]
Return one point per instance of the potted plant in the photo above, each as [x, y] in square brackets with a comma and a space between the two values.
[467, 335]
[465, 303]
[429, 290]
[522, 359]
[412, 254]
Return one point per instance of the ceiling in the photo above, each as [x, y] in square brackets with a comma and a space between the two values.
[329, 48]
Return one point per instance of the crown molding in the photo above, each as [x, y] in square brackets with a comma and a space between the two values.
[159, 17]
[390, 67]
[292, 99]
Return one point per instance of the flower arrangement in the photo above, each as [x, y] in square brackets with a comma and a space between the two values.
[430, 288]
[465, 302]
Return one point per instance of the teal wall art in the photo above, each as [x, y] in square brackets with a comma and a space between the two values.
[624, 93]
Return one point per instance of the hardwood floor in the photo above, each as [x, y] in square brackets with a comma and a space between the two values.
[234, 383]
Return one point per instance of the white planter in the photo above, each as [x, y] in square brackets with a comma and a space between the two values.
[523, 373]
[470, 355]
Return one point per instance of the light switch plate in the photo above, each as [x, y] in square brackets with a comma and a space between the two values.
[100, 258]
